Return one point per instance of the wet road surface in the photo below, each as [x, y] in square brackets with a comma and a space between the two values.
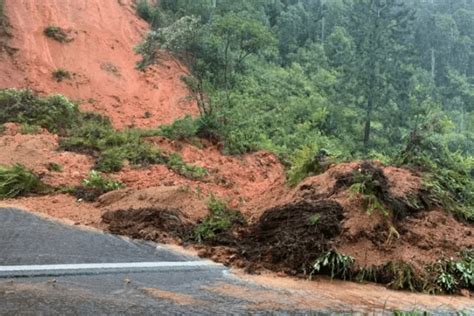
[48, 268]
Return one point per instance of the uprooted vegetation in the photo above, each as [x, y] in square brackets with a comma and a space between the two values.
[364, 213]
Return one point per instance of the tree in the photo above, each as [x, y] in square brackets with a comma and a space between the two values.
[375, 27]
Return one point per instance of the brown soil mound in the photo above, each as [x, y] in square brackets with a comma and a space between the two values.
[150, 224]
[99, 56]
[174, 197]
[38, 152]
[426, 233]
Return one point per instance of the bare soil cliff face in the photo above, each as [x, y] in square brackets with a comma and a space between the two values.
[99, 56]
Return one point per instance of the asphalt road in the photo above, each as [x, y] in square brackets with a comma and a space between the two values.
[48, 268]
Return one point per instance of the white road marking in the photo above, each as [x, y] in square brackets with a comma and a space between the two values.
[98, 267]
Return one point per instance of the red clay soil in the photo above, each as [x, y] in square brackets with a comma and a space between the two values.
[100, 58]
[425, 236]
[59, 206]
[243, 180]
[38, 151]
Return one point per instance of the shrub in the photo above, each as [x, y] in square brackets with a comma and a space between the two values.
[334, 264]
[448, 176]
[176, 163]
[60, 74]
[94, 186]
[56, 33]
[367, 186]
[52, 166]
[55, 113]
[17, 180]
[180, 129]
[29, 129]
[220, 219]
[97, 182]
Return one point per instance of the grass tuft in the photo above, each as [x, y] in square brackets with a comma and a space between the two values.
[17, 180]
[56, 33]
[61, 74]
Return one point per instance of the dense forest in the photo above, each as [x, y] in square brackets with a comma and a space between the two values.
[353, 77]
[382, 79]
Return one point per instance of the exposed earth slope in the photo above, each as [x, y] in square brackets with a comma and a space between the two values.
[99, 56]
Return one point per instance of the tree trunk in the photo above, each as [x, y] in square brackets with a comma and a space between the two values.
[368, 121]
[433, 63]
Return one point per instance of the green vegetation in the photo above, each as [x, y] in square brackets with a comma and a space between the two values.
[366, 186]
[97, 182]
[52, 166]
[220, 219]
[180, 129]
[449, 176]
[29, 129]
[55, 113]
[354, 77]
[17, 180]
[113, 148]
[61, 74]
[443, 276]
[176, 163]
[56, 33]
[334, 264]
[88, 133]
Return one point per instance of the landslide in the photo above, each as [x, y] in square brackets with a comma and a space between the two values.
[395, 243]
[99, 57]
[283, 229]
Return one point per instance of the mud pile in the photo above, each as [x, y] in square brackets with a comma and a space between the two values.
[288, 237]
[405, 234]
[149, 224]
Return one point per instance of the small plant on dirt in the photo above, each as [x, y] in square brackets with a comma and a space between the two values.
[366, 186]
[28, 129]
[56, 33]
[455, 274]
[17, 180]
[220, 219]
[176, 163]
[97, 182]
[61, 74]
[314, 219]
[96, 185]
[334, 263]
[55, 167]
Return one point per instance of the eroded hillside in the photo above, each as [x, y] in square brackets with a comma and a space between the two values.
[99, 56]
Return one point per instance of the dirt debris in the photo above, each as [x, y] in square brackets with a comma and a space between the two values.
[178, 298]
[155, 224]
